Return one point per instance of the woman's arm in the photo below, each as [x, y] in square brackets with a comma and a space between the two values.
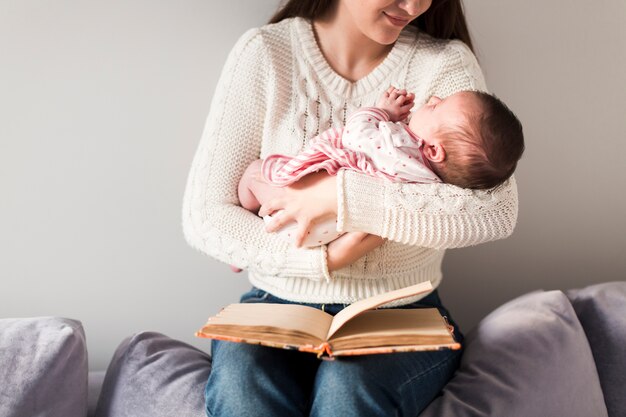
[213, 221]
[428, 215]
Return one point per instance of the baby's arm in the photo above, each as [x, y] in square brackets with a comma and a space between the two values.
[350, 247]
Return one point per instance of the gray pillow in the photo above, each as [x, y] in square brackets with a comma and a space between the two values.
[153, 375]
[601, 310]
[43, 368]
[528, 358]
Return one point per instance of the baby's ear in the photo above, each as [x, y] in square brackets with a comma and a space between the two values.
[434, 152]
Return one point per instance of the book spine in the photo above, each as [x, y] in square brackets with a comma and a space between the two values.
[325, 351]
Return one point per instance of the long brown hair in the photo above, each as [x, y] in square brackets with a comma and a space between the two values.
[444, 19]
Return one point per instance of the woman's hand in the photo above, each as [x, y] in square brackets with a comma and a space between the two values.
[308, 201]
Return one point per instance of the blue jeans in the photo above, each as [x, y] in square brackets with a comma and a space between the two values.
[250, 380]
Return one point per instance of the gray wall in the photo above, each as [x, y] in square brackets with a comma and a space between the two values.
[102, 105]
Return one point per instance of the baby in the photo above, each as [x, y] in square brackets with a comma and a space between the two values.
[469, 139]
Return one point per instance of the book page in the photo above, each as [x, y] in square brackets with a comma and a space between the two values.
[396, 349]
[371, 303]
[289, 317]
[384, 327]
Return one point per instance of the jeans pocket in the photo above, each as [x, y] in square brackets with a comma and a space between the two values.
[255, 295]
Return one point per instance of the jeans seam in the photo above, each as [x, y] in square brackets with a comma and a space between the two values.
[427, 371]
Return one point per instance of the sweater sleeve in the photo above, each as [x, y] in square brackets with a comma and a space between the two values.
[430, 215]
[212, 219]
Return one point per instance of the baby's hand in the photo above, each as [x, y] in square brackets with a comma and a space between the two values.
[397, 103]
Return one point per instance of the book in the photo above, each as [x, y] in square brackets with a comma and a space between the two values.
[359, 329]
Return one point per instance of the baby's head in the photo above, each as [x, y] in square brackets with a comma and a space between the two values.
[471, 138]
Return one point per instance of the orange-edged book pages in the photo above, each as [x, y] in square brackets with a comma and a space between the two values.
[359, 329]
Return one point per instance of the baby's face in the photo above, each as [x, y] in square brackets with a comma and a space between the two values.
[437, 113]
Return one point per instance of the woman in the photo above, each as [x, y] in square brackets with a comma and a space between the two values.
[281, 85]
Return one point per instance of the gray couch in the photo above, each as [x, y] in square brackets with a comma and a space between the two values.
[547, 353]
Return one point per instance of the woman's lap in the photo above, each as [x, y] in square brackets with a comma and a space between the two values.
[381, 385]
[250, 380]
[257, 380]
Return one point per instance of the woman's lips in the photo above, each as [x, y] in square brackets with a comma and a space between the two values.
[397, 21]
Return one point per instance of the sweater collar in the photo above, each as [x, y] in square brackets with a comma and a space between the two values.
[372, 82]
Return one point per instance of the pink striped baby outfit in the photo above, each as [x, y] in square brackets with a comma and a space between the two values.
[369, 143]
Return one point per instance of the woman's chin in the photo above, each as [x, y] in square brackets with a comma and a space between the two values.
[386, 37]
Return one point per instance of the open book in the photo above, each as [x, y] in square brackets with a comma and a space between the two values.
[358, 329]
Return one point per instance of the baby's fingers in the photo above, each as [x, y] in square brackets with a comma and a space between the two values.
[406, 107]
[400, 99]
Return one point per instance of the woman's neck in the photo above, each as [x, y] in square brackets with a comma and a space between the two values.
[347, 50]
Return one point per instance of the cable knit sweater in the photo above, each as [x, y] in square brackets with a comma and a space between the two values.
[276, 92]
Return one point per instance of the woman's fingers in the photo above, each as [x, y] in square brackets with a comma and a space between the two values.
[283, 219]
[279, 220]
[304, 226]
[303, 230]
[271, 206]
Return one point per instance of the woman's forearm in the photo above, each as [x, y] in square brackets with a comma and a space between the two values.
[428, 215]
[213, 222]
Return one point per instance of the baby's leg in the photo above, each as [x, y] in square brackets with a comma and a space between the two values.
[253, 191]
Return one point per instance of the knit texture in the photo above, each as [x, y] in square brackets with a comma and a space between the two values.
[275, 93]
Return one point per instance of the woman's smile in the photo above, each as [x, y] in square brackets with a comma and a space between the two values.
[397, 20]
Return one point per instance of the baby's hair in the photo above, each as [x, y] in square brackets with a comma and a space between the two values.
[485, 153]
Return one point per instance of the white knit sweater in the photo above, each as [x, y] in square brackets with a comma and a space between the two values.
[276, 92]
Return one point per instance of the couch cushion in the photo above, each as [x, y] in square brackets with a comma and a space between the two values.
[94, 386]
[43, 368]
[153, 375]
[601, 310]
[529, 357]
